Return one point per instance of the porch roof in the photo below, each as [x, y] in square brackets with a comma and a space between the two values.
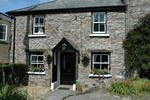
[70, 46]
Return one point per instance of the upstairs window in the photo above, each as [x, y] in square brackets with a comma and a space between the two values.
[3, 32]
[99, 23]
[38, 25]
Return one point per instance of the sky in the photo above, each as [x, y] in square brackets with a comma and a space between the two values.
[8, 5]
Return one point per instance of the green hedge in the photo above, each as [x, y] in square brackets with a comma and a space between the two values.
[13, 74]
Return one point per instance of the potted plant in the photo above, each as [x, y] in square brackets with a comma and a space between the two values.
[105, 71]
[85, 59]
[84, 55]
[79, 87]
[47, 54]
[95, 71]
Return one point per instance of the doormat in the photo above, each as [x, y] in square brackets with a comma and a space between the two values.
[63, 88]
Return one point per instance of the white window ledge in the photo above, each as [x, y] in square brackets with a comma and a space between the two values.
[92, 75]
[99, 35]
[36, 73]
[42, 35]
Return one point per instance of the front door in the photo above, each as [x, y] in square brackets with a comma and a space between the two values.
[68, 61]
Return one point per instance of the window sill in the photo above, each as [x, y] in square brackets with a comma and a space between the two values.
[42, 35]
[102, 35]
[3, 41]
[92, 75]
[36, 73]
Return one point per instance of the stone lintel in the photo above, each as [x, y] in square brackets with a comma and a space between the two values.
[35, 50]
[98, 50]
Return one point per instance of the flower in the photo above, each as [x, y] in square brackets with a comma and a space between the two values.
[109, 67]
[94, 68]
[122, 82]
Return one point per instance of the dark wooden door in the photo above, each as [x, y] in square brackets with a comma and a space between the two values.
[68, 61]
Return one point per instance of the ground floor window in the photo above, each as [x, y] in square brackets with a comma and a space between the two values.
[36, 59]
[100, 60]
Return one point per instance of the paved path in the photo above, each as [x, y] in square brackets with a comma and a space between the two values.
[104, 95]
[56, 95]
[101, 94]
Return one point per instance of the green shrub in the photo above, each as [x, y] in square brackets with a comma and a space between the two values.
[137, 48]
[13, 73]
[9, 92]
[130, 86]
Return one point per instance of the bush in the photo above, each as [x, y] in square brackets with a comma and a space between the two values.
[13, 73]
[137, 48]
[9, 92]
[131, 86]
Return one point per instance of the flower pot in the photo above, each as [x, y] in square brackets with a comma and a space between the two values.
[79, 89]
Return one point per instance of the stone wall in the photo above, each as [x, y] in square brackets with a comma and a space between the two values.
[137, 9]
[77, 28]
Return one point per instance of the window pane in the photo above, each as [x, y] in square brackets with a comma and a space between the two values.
[36, 29]
[97, 66]
[40, 59]
[101, 27]
[41, 21]
[43, 29]
[36, 21]
[95, 17]
[2, 35]
[1, 28]
[40, 29]
[4, 28]
[95, 27]
[96, 58]
[101, 17]
[104, 58]
[104, 66]
[33, 65]
[34, 59]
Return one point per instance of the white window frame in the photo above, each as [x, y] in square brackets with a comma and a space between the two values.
[4, 33]
[100, 60]
[37, 59]
[105, 23]
[38, 16]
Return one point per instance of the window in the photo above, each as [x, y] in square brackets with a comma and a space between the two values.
[99, 23]
[36, 59]
[100, 61]
[3, 32]
[38, 25]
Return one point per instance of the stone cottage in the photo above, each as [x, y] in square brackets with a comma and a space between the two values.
[67, 29]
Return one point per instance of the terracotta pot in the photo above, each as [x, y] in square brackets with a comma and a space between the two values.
[79, 88]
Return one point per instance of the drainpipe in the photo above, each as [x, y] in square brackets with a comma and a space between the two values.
[13, 17]
[14, 40]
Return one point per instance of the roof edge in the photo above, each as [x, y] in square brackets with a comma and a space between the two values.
[74, 9]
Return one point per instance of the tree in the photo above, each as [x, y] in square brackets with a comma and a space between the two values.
[137, 48]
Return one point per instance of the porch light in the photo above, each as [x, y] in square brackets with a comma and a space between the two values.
[64, 46]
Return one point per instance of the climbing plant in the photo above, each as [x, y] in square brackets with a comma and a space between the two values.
[137, 48]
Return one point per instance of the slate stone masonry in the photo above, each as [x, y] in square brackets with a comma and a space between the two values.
[77, 28]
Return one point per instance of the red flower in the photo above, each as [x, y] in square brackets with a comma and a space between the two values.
[109, 67]
[94, 68]
[102, 76]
